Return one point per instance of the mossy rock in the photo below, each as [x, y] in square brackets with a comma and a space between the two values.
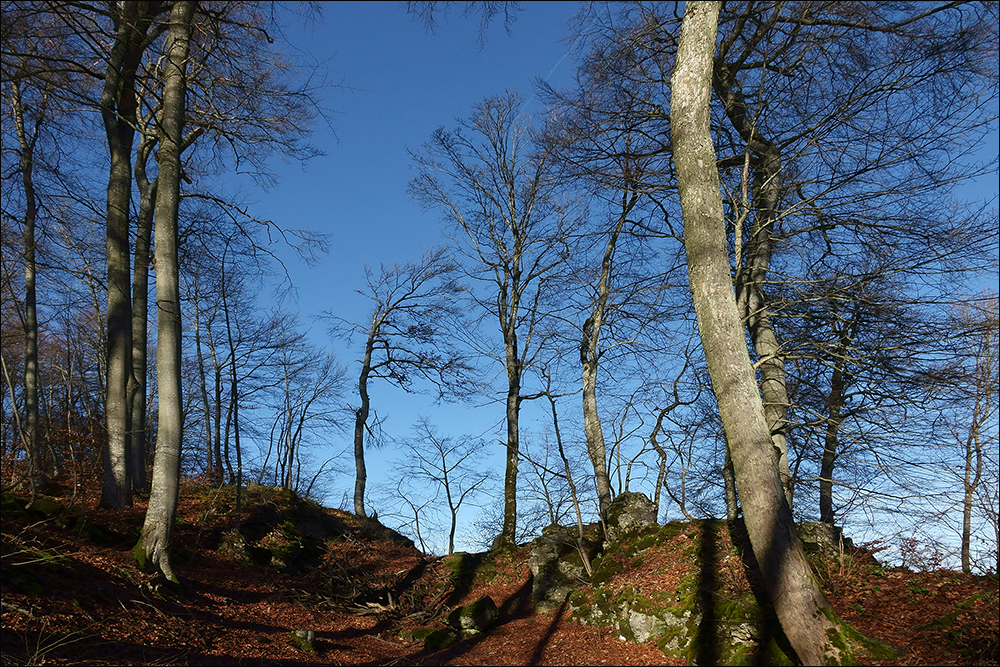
[474, 618]
[440, 639]
[303, 639]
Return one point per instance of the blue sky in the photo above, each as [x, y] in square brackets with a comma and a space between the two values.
[400, 84]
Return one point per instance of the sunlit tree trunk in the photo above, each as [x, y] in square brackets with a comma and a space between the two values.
[804, 613]
[753, 262]
[157, 531]
[590, 359]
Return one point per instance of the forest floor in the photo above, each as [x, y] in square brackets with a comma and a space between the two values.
[73, 594]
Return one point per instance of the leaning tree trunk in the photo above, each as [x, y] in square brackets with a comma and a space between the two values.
[803, 610]
[157, 531]
[754, 262]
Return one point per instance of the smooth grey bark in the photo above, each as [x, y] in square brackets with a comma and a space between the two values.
[118, 111]
[804, 613]
[590, 360]
[26, 158]
[161, 515]
[140, 308]
[753, 261]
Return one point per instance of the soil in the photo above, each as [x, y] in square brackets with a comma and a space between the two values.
[73, 594]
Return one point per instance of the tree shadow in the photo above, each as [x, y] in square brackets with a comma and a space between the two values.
[707, 647]
[536, 654]
[768, 628]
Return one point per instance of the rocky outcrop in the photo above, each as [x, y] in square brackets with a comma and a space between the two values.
[711, 610]
[629, 511]
[557, 568]
[823, 537]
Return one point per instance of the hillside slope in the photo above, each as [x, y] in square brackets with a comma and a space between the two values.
[73, 595]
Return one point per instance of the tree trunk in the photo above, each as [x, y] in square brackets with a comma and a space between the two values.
[360, 422]
[753, 262]
[835, 404]
[590, 359]
[213, 473]
[512, 411]
[729, 479]
[26, 145]
[140, 333]
[157, 531]
[804, 613]
[118, 110]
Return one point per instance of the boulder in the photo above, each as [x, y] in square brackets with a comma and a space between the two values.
[628, 511]
[823, 537]
[475, 618]
[556, 567]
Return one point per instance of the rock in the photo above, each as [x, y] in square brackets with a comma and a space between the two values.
[440, 639]
[556, 568]
[646, 627]
[823, 537]
[628, 511]
[474, 618]
[304, 639]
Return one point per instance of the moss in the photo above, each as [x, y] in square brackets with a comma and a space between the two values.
[418, 634]
[303, 639]
[440, 639]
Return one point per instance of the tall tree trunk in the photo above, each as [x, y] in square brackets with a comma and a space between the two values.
[140, 328]
[157, 531]
[834, 406]
[118, 110]
[590, 360]
[360, 422]
[753, 262]
[26, 146]
[210, 467]
[804, 613]
[508, 534]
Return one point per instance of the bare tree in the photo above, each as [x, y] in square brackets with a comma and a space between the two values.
[448, 465]
[500, 199]
[805, 614]
[406, 337]
[161, 515]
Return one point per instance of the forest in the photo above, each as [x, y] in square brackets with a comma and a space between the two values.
[735, 265]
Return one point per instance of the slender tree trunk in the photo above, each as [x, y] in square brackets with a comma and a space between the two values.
[140, 328]
[157, 531]
[752, 265]
[360, 422]
[210, 468]
[804, 613]
[508, 533]
[26, 145]
[835, 403]
[118, 110]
